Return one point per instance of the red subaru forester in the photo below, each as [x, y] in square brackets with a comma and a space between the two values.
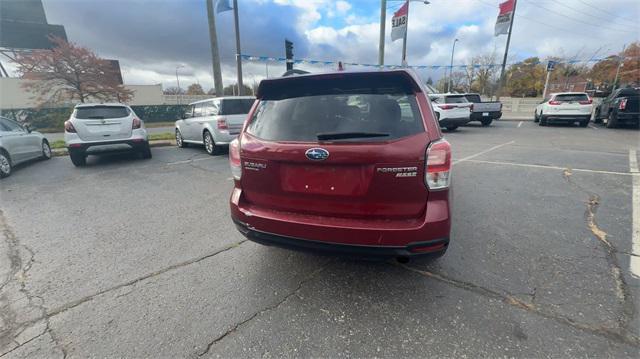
[346, 162]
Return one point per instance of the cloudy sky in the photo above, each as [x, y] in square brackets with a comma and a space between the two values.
[152, 37]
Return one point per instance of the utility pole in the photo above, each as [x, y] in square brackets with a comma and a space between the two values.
[215, 55]
[453, 49]
[238, 52]
[506, 50]
[620, 64]
[383, 20]
[179, 94]
[550, 67]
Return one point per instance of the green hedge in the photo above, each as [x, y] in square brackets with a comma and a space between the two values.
[52, 119]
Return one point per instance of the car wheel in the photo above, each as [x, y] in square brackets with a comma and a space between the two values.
[612, 121]
[543, 120]
[146, 152]
[452, 128]
[210, 144]
[179, 140]
[535, 117]
[5, 164]
[78, 158]
[486, 122]
[46, 150]
[584, 123]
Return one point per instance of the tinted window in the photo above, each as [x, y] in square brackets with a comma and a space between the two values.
[236, 106]
[455, 99]
[11, 126]
[101, 112]
[473, 98]
[571, 97]
[436, 99]
[303, 118]
[198, 109]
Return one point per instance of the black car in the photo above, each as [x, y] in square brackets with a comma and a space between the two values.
[620, 107]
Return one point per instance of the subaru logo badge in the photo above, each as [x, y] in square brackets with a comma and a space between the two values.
[317, 154]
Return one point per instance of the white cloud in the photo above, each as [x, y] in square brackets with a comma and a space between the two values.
[342, 7]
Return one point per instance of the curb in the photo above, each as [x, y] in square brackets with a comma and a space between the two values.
[58, 152]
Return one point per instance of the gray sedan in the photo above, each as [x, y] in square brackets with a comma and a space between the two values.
[19, 144]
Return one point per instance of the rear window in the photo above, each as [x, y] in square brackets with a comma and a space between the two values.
[571, 97]
[101, 112]
[385, 117]
[236, 106]
[455, 99]
[473, 98]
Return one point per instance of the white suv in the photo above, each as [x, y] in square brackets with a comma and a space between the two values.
[452, 110]
[95, 129]
[567, 107]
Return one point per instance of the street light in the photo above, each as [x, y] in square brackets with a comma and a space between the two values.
[178, 82]
[453, 49]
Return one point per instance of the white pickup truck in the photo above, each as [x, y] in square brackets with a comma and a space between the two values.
[485, 112]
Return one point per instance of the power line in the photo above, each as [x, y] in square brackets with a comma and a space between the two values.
[578, 20]
[635, 21]
[588, 14]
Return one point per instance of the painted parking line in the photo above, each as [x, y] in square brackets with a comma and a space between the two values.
[594, 127]
[187, 161]
[634, 262]
[528, 165]
[483, 152]
[520, 124]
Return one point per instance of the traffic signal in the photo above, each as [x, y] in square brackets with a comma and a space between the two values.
[288, 50]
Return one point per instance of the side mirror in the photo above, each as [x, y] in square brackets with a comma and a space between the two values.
[28, 128]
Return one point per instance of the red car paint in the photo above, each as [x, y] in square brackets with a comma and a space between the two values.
[368, 197]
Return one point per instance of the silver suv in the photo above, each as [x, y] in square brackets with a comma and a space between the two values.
[213, 123]
[95, 129]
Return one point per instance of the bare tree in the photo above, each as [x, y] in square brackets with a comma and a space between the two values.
[69, 72]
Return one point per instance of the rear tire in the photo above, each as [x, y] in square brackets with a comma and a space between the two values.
[5, 164]
[536, 119]
[584, 123]
[612, 121]
[78, 158]
[596, 117]
[486, 122]
[452, 128]
[210, 144]
[543, 120]
[146, 152]
[46, 150]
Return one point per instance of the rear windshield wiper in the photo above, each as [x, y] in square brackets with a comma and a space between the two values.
[346, 135]
[95, 117]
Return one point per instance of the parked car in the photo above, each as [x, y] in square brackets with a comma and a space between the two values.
[20, 144]
[452, 110]
[214, 122]
[484, 111]
[347, 162]
[565, 107]
[99, 128]
[622, 106]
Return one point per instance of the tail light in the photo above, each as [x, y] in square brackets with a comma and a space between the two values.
[136, 123]
[500, 106]
[438, 171]
[68, 127]
[445, 107]
[554, 102]
[234, 159]
[587, 102]
[222, 124]
[623, 104]
[471, 107]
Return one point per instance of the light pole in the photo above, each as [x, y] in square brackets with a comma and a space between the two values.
[453, 49]
[620, 64]
[178, 82]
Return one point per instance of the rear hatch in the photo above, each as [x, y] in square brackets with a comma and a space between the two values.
[339, 145]
[235, 111]
[570, 104]
[103, 122]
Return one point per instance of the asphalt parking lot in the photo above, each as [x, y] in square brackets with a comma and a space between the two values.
[138, 258]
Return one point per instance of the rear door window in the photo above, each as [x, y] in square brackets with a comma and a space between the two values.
[198, 109]
[101, 112]
[236, 106]
[571, 97]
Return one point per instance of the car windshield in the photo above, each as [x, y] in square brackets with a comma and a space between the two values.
[304, 118]
[571, 97]
[236, 106]
[101, 112]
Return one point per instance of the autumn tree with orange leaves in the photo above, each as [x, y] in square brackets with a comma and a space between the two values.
[69, 73]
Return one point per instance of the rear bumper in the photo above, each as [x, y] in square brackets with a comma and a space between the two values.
[630, 117]
[458, 121]
[223, 138]
[109, 146]
[377, 237]
[270, 239]
[567, 117]
[478, 116]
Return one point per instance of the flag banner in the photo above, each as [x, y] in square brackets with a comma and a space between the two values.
[504, 18]
[223, 5]
[399, 22]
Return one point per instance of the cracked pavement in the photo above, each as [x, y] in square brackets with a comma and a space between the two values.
[133, 258]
